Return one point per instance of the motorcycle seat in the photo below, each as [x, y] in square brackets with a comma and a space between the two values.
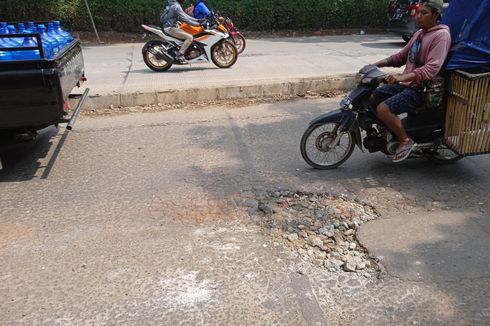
[155, 27]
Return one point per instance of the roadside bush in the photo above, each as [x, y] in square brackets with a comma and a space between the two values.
[257, 15]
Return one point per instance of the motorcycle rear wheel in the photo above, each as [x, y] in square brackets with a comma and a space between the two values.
[224, 54]
[240, 43]
[443, 155]
[152, 62]
[315, 146]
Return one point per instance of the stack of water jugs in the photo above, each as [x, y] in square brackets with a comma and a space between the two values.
[53, 39]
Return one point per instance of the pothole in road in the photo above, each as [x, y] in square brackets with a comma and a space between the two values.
[319, 229]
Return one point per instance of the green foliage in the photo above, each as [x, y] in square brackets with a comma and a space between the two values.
[259, 15]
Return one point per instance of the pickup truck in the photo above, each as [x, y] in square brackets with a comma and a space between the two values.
[35, 94]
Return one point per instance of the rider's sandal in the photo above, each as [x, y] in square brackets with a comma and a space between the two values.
[403, 151]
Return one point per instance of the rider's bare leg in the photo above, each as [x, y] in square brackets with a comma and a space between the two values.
[373, 102]
[393, 122]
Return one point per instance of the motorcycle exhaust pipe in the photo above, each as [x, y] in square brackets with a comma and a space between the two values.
[160, 55]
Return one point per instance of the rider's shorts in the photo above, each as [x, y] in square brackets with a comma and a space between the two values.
[399, 98]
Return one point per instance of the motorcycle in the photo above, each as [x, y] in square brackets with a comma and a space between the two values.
[233, 31]
[330, 138]
[211, 43]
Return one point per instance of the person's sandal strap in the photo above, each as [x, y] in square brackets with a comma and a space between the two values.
[403, 152]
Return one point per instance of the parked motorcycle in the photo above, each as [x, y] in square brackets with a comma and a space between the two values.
[210, 44]
[330, 138]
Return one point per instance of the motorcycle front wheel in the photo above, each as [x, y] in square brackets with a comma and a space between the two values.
[224, 54]
[318, 148]
[151, 60]
[239, 43]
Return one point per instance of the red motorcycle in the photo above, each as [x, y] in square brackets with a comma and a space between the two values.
[232, 30]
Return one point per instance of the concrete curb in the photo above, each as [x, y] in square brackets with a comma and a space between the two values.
[292, 87]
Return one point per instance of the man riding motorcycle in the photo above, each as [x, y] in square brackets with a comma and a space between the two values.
[424, 57]
[173, 14]
[201, 10]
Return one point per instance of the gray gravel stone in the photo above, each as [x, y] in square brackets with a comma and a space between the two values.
[293, 237]
[328, 231]
[316, 241]
[350, 265]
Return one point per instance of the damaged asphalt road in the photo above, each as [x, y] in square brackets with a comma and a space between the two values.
[153, 218]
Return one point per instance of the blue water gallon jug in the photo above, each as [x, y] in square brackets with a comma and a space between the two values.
[58, 37]
[16, 40]
[61, 31]
[6, 42]
[27, 54]
[50, 46]
[21, 28]
[32, 27]
[5, 55]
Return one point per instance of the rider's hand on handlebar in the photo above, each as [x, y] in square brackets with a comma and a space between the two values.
[393, 79]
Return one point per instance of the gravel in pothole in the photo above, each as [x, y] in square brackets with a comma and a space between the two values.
[319, 229]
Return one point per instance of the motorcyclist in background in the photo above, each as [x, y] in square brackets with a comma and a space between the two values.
[201, 10]
[174, 14]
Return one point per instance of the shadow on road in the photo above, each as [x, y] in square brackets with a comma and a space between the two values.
[21, 161]
[173, 70]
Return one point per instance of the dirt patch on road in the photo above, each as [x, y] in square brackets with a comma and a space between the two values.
[10, 233]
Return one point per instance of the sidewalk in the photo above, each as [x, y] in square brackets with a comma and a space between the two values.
[118, 76]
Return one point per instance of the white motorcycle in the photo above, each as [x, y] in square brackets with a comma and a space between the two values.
[212, 43]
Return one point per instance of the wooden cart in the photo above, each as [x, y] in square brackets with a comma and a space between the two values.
[467, 125]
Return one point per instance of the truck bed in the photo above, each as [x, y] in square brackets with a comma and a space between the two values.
[33, 93]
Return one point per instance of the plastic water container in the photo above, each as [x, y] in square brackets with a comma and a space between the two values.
[6, 42]
[57, 27]
[58, 37]
[27, 54]
[5, 55]
[31, 27]
[50, 45]
[16, 40]
[21, 28]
